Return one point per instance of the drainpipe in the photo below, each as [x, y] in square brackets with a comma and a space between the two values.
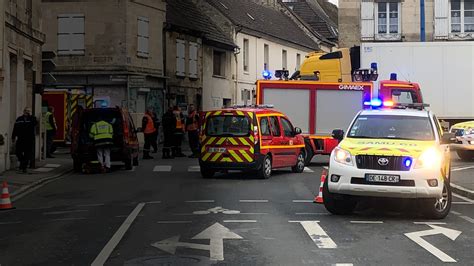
[236, 52]
[422, 21]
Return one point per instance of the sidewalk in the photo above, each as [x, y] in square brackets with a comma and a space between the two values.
[19, 184]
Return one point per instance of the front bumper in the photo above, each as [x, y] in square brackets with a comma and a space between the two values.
[255, 165]
[465, 143]
[413, 183]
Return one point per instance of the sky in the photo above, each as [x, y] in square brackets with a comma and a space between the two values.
[334, 2]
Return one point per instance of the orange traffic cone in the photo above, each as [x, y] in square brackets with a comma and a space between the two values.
[319, 197]
[5, 202]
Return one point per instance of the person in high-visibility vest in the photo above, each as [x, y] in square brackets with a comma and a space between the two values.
[149, 131]
[178, 133]
[169, 124]
[51, 127]
[192, 127]
[102, 133]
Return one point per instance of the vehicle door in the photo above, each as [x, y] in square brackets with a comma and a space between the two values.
[289, 154]
[444, 148]
[276, 141]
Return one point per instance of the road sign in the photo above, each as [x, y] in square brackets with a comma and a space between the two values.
[216, 234]
[450, 233]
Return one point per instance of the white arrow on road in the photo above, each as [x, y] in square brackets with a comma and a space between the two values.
[216, 233]
[450, 233]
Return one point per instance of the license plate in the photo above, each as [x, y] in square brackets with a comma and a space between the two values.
[218, 150]
[382, 178]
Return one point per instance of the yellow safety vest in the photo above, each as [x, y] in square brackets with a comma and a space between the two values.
[48, 124]
[102, 131]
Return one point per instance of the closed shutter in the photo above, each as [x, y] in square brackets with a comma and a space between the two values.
[193, 60]
[441, 19]
[180, 58]
[71, 34]
[142, 37]
[367, 22]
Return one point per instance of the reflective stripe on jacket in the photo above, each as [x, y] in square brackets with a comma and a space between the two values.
[102, 133]
[150, 126]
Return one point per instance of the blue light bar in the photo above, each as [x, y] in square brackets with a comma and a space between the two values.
[373, 65]
[376, 102]
[393, 76]
[267, 74]
[407, 162]
[367, 103]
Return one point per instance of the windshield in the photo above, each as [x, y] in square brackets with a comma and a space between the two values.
[228, 126]
[392, 127]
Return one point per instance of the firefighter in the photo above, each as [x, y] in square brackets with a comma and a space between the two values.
[156, 123]
[169, 123]
[192, 127]
[24, 134]
[102, 133]
[51, 127]
[149, 131]
[178, 132]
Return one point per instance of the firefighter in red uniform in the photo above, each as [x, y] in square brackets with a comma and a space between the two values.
[149, 131]
[192, 127]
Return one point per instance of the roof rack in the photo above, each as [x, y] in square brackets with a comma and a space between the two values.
[419, 106]
[253, 106]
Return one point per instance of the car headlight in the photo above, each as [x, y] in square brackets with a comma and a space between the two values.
[430, 158]
[342, 156]
[469, 131]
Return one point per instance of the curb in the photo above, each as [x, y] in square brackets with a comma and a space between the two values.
[462, 191]
[27, 189]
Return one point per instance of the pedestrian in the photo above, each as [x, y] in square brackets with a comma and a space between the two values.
[24, 135]
[102, 133]
[51, 127]
[149, 130]
[178, 132]
[192, 127]
[169, 122]
[156, 123]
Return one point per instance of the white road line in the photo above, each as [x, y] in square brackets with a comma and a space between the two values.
[343, 264]
[317, 234]
[162, 168]
[429, 223]
[52, 165]
[68, 219]
[91, 205]
[461, 188]
[462, 203]
[174, 222]
[153, 202]
[308, 170]
[467, 218]
[195, 168]
[462, 168]
[455, 213]
[256, 201]
[199, 201]
[5, 223]
[240, 221]
[63, 212]
[113, 242]
[463, 198]
[312, 213]
[252, 213]
[302, 201]
[125, 216]
[367, 222]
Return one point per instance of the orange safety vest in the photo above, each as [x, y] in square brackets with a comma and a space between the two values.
[179, 123]
[193, 126]
[150, 127]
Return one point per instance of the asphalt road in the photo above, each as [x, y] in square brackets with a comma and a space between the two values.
[164, 213]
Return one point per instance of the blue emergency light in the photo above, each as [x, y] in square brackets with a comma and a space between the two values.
[407, 162]
[374, 66]
[104, 104]
[374, 103]
[393, 76]
[267, 74]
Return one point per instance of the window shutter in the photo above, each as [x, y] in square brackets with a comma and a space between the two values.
[143, 37]
[180, 58]
[441, 19]
[367, 22]
[193, 60]
[71, 34]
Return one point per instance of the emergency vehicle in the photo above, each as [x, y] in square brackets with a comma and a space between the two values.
[252, 138]
[395, 153]
[464, 145]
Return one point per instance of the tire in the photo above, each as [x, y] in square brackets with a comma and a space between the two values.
[207, 173]
[335, 205]
[265, 170]
[309, 154]
[77, 165]
[135, 161]
[465, 155]
[300, 163]
[129, 163]
[439, 208]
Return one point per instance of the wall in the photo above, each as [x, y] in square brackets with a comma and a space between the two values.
[215, 89]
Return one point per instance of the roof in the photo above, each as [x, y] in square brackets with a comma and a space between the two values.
[316, 17]
[260, 20]
[398, 112]
[195, 22]
[249, 109]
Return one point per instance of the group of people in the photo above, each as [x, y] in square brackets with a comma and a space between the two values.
[175, 126]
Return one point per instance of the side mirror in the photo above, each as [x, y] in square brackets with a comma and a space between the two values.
[448, 138]
[338, 134]
[297, 131]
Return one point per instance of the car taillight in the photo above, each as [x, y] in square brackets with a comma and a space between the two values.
[255, 134]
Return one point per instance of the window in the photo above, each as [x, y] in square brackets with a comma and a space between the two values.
[298, 61]
[219, 63]
[403, 96]
[388, 18]
[266, 56]
[228, 126]
[287, 127]
[193, 60]
[275, 125]
[246, 55]
[71, 34]
[265, 126]
[462, 16]
[143, 37]
[284, 59]
[180, 58]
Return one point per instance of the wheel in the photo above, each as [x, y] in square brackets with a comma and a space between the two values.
[135, 161]
[309, 154]
[300, 163]
[207, 173]
[129, 163]
[465, 155]
[266, 170]
[77, 165]
[439, 208]
[337, 204]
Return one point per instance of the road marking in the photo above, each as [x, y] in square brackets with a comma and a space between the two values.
[302, 201]
[216, 210]
[5, 223]
[256, 201]
[317, 234]
[252, 213]
[199, 201]
[428, 223]
[195, 168]
[240, 221]
[91, 205]
[467, 218]
[43, 170]
[126, 215]
[455, 213]
[153, 202]
[367, 222]
[68, 219]
[463, 198]
[462, 168]
[450, 233]
[174, 222]
[462, 188]
[162, 168]
[462, 203]
[308, 170]
[312, 213]
[343, 264]
[63, 212]
[52, 165]
[113, 242]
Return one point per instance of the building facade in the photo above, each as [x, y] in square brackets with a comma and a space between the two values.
[21, 39]
[111, 49]
[374, 20]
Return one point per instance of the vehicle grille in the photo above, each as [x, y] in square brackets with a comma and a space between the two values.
[395, 163]
[458, 132]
